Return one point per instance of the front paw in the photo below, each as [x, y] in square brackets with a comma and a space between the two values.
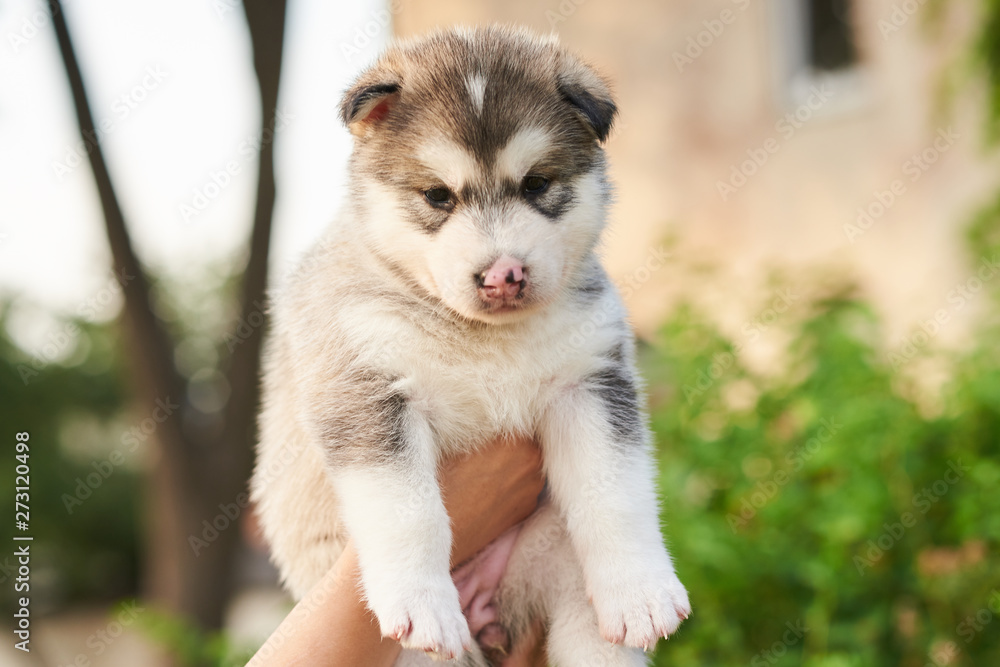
[426, 618]
[637, 609]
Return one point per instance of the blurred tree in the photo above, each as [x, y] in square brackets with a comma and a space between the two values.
[984, 234]
[987, 52]
[85, 532]
[202, 463]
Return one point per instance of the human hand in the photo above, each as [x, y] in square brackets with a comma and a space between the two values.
[490, 490]
[488, 494]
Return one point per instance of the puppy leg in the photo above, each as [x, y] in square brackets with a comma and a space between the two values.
[601, 478]
[545, 580]
[574, 638]
[394, 513]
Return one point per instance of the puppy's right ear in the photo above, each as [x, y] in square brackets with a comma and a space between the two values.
[367, 102]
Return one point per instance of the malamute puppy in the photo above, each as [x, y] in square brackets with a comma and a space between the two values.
[458, 298]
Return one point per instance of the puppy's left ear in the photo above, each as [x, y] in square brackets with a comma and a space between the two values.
[368, 101]
[589, 95]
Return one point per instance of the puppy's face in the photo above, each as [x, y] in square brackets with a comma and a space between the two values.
[477, 169]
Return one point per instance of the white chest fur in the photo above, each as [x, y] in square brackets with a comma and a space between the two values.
[475, 382]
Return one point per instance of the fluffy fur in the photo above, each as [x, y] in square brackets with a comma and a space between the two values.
[385, 357]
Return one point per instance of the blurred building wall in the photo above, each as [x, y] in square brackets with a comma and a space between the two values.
[705, 85]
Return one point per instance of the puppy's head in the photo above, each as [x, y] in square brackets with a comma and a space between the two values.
[477, 168]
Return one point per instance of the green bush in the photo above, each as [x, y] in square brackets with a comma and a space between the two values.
[817, 517]
[191, 646]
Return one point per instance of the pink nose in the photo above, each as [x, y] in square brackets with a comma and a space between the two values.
[504, 280]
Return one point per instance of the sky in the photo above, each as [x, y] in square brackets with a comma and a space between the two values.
[172, 86]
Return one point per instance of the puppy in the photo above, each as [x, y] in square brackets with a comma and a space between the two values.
[457, 299]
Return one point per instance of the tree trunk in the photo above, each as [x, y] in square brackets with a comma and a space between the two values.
[198, 476]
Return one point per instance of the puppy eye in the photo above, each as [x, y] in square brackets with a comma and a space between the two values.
[535, 185]
[439, 198]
